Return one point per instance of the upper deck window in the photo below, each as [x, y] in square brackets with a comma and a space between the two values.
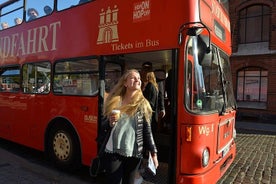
[12, 14]
[36, 9]
[62, 4]
[12, 11]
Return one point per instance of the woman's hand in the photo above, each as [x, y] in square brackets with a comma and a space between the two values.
[114, 117]
[112, 120]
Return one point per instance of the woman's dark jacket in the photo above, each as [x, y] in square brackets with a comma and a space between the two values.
[151, 94]
[144, 136]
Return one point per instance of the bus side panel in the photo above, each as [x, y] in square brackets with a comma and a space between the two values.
[6, 116]
[82, 113]
[25, 118]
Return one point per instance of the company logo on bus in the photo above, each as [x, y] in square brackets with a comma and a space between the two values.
[109, 23]
[108, 26]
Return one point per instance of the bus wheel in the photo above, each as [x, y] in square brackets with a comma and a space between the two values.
[63, 148]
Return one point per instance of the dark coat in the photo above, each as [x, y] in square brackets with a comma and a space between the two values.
[151, 94]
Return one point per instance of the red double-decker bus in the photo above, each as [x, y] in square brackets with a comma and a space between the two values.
[59, 59]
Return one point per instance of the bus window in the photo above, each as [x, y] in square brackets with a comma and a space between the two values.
[83, 1]
[13, 14]
[205, 82]
[63, 4]
[227, 80]
[10, 79]
[36, 77]
[36, 9]
[79, 77]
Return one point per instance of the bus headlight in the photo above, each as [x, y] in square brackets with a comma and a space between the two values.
[234, 133]
[205, 157]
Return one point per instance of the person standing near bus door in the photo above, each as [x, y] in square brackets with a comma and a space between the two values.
[32, 13]
[150, 92]
[161, 103]
[131, 132]
[158, 106]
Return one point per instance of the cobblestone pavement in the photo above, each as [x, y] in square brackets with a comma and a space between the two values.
[255, 161]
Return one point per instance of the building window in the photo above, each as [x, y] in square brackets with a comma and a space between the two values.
[252, 88]
[254, 22]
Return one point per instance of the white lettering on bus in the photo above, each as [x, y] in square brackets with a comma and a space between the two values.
[121, 46]
[32, 41]
[152, 43]
[136, 44]
[205, 130]
[141, 11]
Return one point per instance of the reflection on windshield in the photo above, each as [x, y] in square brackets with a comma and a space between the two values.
[208, 79]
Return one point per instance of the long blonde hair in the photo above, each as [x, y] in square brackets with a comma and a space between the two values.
[151, 78]
[139, 102]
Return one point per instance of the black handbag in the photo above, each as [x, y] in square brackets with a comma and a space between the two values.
[97, 165]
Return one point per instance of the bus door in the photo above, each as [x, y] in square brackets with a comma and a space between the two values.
[36, 79]
[164, 66]
[110, 70]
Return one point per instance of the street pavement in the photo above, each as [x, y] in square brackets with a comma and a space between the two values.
[17, 170]
[255, 161]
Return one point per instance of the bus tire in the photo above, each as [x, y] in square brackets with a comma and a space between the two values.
[63, 148]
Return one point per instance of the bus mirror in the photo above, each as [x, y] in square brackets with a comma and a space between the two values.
[207, 59]
[194, 31]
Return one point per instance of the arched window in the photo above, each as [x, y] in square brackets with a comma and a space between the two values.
[252, 88]
[254, 24]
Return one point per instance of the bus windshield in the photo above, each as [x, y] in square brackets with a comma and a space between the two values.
[208, 78]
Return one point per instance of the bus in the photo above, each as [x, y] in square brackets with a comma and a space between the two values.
[57, 67]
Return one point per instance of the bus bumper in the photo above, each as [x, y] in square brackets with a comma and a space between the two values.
[214, 174]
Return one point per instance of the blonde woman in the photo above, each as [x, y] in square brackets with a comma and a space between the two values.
[131, 132]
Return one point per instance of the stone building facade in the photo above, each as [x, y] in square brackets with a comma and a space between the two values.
[253, 62]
